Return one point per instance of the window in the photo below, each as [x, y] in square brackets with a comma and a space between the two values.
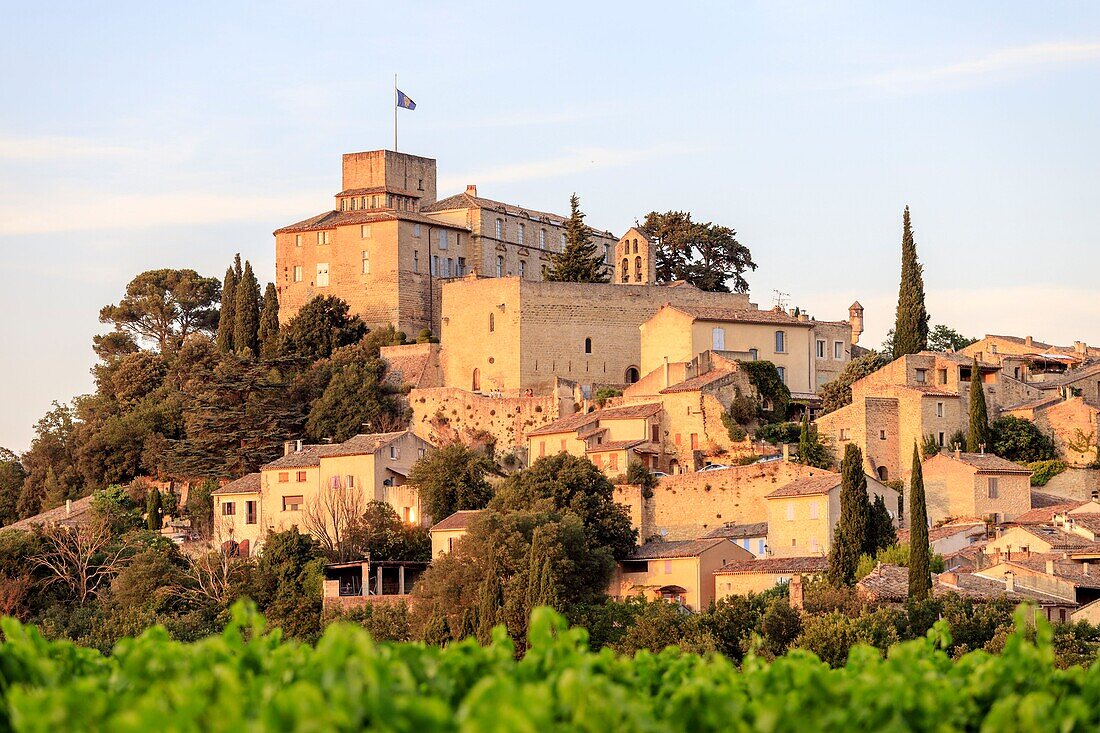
[588, 346]
[939, 438]
[228, 509]
[461, 266]
[790, 512]
[500, 229]
[760, 547]
[500, 266]
[922, 376]
[613, 462]
[416, 261]
[421, 452]
[607, 254]
[820, 349]
[882, 435]
[637, 269]
[522, 232]
[406, 514]
[349, 481]
[492, 322]
[718, 339]
[343, 204]
[813, 544]
[416, 230]
[754, 355]
[668, 567]
[845, 434]
[395, 452]
[635, 246]
[364, 231]
[301, 477]
[780, 342]
[939, 409]
[943, 376]
[322, 237]
[443, 239]
[782, 374]
[992, 487]
[297, 273]
[250, 512]
[838, 350]
[542, 238]
[322, 274]
[625, 270]
[562, 241]
[366, 262]
[449, 267]
[542, 448]
[695, 441]
[435, 265]
[292, 503]
[284, 477]
[522, 268]
[813, 510]
[297, 240]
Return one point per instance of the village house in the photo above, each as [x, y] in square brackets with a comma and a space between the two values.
[803, 514]
[742, 577]
[298, 486]
[612, 438]
[680, 571]
[753, 537]
[958, 484]
[953, 537]
[358, 583]
[1076, 583]
[449, 530]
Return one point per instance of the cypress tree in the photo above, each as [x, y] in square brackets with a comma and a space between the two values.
[246, 331]
[153, 512]
[227, 319]
[911, 326]
[805, 444]
[468, 625]
[882, 533]
[490, 602]
[850, 537]
[978, 434]
[269, 324]
[580, 261]
[920, 579]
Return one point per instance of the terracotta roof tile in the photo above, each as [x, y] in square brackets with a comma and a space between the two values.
[615, 445]
[332, 219]
[742, 315]
[821, 483]
[1058, 539]
[703, 380]
[1044, 514]
[311, 455]
[986, 462]
[674, 549]
[78, 513]
[467, 201]
[459, 520]
[578, 420]
[247, 484]
[739, 531]
[776, 566]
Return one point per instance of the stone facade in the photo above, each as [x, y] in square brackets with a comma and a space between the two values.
[678, 571]
[635, 259]
[958, 484]
[1073, 423]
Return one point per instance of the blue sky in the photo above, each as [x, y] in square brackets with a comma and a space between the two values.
[143, 135]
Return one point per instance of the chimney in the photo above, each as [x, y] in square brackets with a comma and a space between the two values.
[1027, 341]
[288, 447]
[855, 319]
[298, 446]
[471, 189]
[667, 377]
[982, 448]
[949, 579]
[1010, 582]
[958, 452]
[803, 317]
[792, 312]
[786, 453]
[1085, 567]
[68, 506]
[1050, 567]
[796, 593]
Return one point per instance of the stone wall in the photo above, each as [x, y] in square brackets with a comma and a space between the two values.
[1075, 484]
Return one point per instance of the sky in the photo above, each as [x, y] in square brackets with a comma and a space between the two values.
[144, 135]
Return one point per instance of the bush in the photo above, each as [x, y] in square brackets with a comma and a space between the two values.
[779, 433]
[1043, 471]
[1016, 439]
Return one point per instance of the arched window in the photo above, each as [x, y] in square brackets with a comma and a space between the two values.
[883, 473]
[635, 246]
[631, 375]
[626, 270]
[492, 323]
[475, 385]
[542, 238]
[588, 346]
[637, 269]
[500, 228]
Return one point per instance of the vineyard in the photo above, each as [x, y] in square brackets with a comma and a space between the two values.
[246, 679]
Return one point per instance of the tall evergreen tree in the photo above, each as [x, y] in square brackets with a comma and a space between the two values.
[882, 533]
[977, 437]
[227, 318]
[246, 332]
[580, 261]
[490, 603]
[540, 574]
[269, 323]
[911, 326]
[153, 510]
[920, 560]
[850, 537]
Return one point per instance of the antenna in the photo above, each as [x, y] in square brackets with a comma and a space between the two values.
[780, 299]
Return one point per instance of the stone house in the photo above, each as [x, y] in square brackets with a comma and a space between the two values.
[449, 530]
[611, 438]
[679, 571]
[802, 514]
[742, 577]
[753, 537]
[1027, 540]
[958, 484]
[951, 538]
[308, 478]
[1073, 423]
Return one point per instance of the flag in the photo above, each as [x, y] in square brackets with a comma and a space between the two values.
[403, 101]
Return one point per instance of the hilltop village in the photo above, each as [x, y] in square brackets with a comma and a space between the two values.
[539, 430]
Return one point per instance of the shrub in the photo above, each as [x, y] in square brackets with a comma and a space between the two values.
[1043, 471]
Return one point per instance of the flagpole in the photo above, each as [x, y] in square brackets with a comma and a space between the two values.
[395, 113]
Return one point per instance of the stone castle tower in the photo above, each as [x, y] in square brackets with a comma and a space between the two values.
[635, 259]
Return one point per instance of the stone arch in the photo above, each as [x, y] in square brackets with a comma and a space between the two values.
[632, 375]
[588, 345]
[475, 382]
[883, 473]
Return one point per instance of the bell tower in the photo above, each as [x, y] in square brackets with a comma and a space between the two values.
[635, 259]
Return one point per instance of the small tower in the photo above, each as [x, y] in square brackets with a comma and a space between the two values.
[635, 259]
[855, 317]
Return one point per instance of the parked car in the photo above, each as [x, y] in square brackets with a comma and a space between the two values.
[658, 474]
[713, 467]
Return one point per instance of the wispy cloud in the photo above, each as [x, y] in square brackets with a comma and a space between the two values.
[528, 118]
[570, 163]
[1021, 58]
[52, 147]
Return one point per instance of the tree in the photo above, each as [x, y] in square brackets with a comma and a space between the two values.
[838, 393]
[920, 553]
[200, 507]
[81, 558]
[580, 261]
[850, 539]
[943, 338]
[804, 443]
[911, 326]
[227, 318]
[977, 436]
[706, 255]
[380, 534]
[811, 450]
[246, 327]
[52, 450]
[287, 583]
[356, 400]
[12, 476]
[320, 327]
[269, 324]
[451, 478]
[164, 306]
[881, 532]
[154, 516]
[1016, 439]
[329, 517]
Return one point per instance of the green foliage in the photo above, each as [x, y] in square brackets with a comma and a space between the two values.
[246, 325]
[200, 507]
[832, 636]
[50, 459]
[1016, 439]
[154, 515]
[706, 255]
[735, 432]
[1043, 471]
[227, 316]
[881, 532]
[580, 261]
[640, 475]
[356, 400]
[851, 537]
[12, 476]
[268, 334]
[743, 411]
[320, 327]
[977, 436]
[911, 325]
[774, 397]
[451, 478]
[838, 393]
[943, 338]
[812, 451]
[920, 579]
[929, 446]
[382, 535]
[287, 583]
[779, 433]
[164, 306]
[603, 394]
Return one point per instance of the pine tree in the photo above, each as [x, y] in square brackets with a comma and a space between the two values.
[580, 261]
[153, 510]
[805, 443]
[920, 578]
[977, 437]
[246, 331]
[227, 318]
[56, 492]
[850, 537]
[269, 324]
[911, 326]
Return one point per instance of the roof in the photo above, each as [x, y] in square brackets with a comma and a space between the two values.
[311, 455]
[1088, 520]
[928, 391]
[1073, 375]
[776, 566]
[1066, 570]
[71, 515]
[1058, 539]
[947, 530]
[459, 520]
[891, 583]
[578, 420]
[741, 315]
[1033, 404]
[379, 189]
[615, 445]
[986, 462]
[332, 219]
[466, 200]
[1044, 514]
[811, 485]
[696, 383]
[674, 549]
[739, 531]
[247, 484]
